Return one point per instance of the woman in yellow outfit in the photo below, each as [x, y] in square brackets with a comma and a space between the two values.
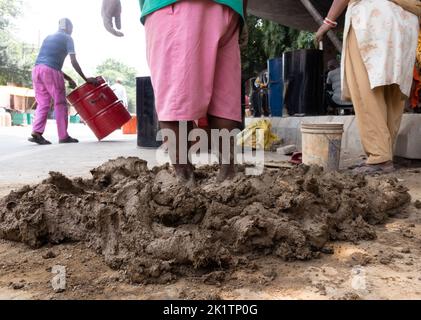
[380, 42]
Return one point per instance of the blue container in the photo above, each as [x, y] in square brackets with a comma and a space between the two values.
[276, 87]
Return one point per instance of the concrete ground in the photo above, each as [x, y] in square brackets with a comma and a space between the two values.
[22, 162]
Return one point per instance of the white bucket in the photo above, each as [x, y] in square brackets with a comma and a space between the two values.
[321, 144]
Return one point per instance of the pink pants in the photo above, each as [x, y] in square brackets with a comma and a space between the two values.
[49, 84]
[194, 57]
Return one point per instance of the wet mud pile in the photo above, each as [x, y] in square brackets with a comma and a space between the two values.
[146, 224]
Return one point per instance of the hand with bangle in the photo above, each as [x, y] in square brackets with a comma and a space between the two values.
[327, 25]
[331, 23]
[335, 11]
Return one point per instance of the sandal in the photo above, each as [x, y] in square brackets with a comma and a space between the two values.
[360, 164]
[69, 140]
[381, 168]
[39, 139]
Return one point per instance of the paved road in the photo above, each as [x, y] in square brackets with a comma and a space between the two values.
[22, 162]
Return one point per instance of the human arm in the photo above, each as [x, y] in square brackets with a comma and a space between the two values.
[78, 69]
[337, 8]
[72, 83]
[111, 13]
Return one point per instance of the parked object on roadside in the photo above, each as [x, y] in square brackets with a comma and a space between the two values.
[5, 118]
[75, 119]
[147, 119]
[321, 144]
[19, 119]
[131, 126]
[258, 135]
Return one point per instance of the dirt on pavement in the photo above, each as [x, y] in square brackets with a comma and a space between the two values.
[157, 234]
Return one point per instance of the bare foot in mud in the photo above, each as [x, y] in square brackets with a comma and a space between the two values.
[226, 172]
[185, 175]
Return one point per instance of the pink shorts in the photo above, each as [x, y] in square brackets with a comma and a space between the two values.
[194, 57]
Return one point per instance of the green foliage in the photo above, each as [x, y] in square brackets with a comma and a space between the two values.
[9, 9]
[253, 57]
[269, 40]
[112, 70]
[16, 57]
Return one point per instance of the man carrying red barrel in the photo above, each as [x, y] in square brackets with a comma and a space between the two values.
[48, 81]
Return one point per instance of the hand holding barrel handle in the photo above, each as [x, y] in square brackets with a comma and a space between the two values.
[93, 81]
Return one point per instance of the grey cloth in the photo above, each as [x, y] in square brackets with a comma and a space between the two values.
[334, 78]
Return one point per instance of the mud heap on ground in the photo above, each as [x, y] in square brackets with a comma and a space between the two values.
[146, 224]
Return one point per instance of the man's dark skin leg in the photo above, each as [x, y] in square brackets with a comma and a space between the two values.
[184, 171]
[227, 171]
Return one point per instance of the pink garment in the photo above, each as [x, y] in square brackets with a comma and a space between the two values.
[194, 57]
[49, 84]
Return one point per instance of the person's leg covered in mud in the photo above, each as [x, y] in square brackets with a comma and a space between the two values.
[225, 107]
[178, 150]
[194, 57]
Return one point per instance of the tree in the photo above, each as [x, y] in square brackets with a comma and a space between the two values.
[9, 9]
[16, 57]
[269, 40]
[254, 57]
[112, 70]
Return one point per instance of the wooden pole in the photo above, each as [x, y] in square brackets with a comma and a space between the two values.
[319, 19]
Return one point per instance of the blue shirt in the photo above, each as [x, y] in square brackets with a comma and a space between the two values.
[55, 49]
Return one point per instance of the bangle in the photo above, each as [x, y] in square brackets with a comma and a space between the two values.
[330, 23]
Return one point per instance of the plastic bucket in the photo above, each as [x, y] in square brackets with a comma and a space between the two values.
[19, 119]
[30, 118]
[321, 144]
[75, 119]
[100, 108]
[130, 127]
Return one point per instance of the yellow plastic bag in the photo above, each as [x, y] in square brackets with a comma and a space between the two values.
[258, 135]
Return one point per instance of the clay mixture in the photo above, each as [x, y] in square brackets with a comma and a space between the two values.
[155, 230]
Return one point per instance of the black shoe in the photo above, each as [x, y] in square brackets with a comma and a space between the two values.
[39, 139]
[69, 140]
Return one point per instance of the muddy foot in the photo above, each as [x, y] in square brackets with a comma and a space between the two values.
[185, 175]
[226, 172]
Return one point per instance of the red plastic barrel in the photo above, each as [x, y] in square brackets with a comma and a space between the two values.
[100, 108]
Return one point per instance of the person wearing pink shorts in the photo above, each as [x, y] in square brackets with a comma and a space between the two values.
[193, 52]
